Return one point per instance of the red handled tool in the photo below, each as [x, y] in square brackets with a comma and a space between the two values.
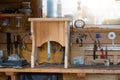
[99, 45]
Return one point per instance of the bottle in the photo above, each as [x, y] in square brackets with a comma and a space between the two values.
[59, 9]
[50, 9]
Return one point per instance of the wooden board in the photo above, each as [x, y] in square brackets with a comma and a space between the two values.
[3, 76]
[73, 70]
[90, 77]
[89, 39]
[13, 15]
[44, 32]
[99, 77]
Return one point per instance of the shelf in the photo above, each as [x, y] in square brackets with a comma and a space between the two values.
[94, 30]
[49, 19]
[13, 15]
[10, 1]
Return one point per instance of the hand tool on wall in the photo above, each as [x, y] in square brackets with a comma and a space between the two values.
[81, 41]
[16, 43]
[102, 53]
[8, 43]
[106, 53]
[100, 47]
[94, 50]
[48, 50]
[13, 60]
[80, 38]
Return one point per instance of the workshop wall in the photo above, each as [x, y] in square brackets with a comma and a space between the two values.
[23, 32]
[56, 57]
[76, 50]
[86, 50]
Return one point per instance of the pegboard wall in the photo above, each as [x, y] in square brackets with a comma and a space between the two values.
[82, 44]
[89, 37]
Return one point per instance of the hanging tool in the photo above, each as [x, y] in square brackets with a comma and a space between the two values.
[99, 46]
[102, 53]
[80, 38]
[49, 51]
[16, 43]
[106, 53]
[81, 41]
[8, 43]
[94, 50]
[13, 60]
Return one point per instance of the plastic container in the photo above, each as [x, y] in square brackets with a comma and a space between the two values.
[78, 60]
[50, 9]
[59, 8]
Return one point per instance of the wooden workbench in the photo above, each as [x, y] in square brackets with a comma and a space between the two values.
[80, 71]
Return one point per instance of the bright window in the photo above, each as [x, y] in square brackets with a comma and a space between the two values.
[92, 11]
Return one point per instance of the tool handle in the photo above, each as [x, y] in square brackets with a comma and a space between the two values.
[102, 54]
[48, 51]
[94, 55]
[106, 53]
[94, 50]
[16, 41]
[8, 43]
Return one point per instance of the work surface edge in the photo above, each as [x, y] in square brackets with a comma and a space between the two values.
[62, 70]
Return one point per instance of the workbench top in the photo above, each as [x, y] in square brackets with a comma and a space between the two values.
[72, 69]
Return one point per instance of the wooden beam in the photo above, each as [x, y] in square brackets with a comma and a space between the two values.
[82, 75]
[13, 75]
[94, 30]
[85, 70]
[13, 15]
